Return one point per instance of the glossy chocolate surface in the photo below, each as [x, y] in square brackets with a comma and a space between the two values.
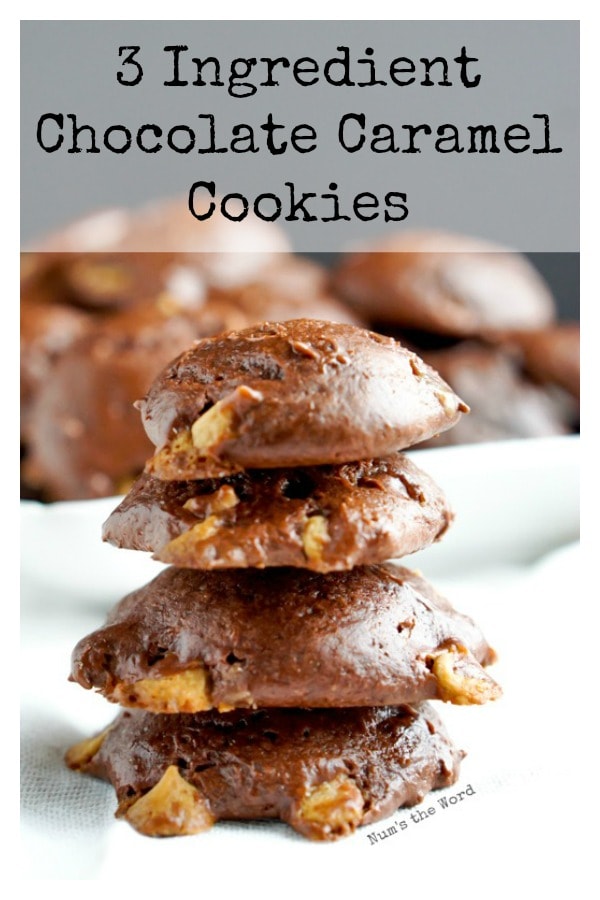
[303, 392]
[282, 637]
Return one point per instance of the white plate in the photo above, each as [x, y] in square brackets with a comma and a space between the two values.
[514, 502]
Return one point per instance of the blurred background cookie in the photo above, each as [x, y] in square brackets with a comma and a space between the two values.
[442, 283]
[483, 317]
[550, 356]
[84, 437]
[290, 287]
[504, 402]
[47, 331]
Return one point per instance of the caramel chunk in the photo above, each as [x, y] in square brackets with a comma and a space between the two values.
[461, 679]
[332, 809]
[171, 807]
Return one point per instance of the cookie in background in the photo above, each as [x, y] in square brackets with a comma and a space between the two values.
[484, 317]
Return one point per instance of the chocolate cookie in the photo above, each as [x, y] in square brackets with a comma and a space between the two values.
[325, 772]
[47, 331]
[192, 640]
[226, 252]
[504, 403]
[84, 365]
[103, 283]
[444, 283]
[296, 393]
[112, 281]
[549, 355]
[290, 288]
[322, 518]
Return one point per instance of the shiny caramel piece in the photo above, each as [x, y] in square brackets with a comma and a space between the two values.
[212, 427]
[179, 454]
[314, 538]
[331, 809]
[461, 679]
[79, 755]
[171, 807]
[184, 692]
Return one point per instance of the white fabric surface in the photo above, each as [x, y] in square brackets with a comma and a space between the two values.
[520, 764]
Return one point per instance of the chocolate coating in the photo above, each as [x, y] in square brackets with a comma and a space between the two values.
[302, 392]
[283, 637]
[374, 510]
[504, 403]
[444, 283]
[268, 763]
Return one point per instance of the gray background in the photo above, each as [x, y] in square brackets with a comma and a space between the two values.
[526, 201]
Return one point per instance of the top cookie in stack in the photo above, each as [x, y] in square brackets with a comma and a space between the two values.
[299, 393]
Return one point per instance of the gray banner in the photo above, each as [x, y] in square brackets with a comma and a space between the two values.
[409, 152]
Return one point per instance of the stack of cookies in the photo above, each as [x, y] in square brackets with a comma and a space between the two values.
[280, 667]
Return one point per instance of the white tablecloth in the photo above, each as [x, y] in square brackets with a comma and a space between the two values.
[526, 765]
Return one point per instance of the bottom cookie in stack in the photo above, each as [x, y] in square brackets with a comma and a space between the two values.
[370, 644]
[325, 772]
